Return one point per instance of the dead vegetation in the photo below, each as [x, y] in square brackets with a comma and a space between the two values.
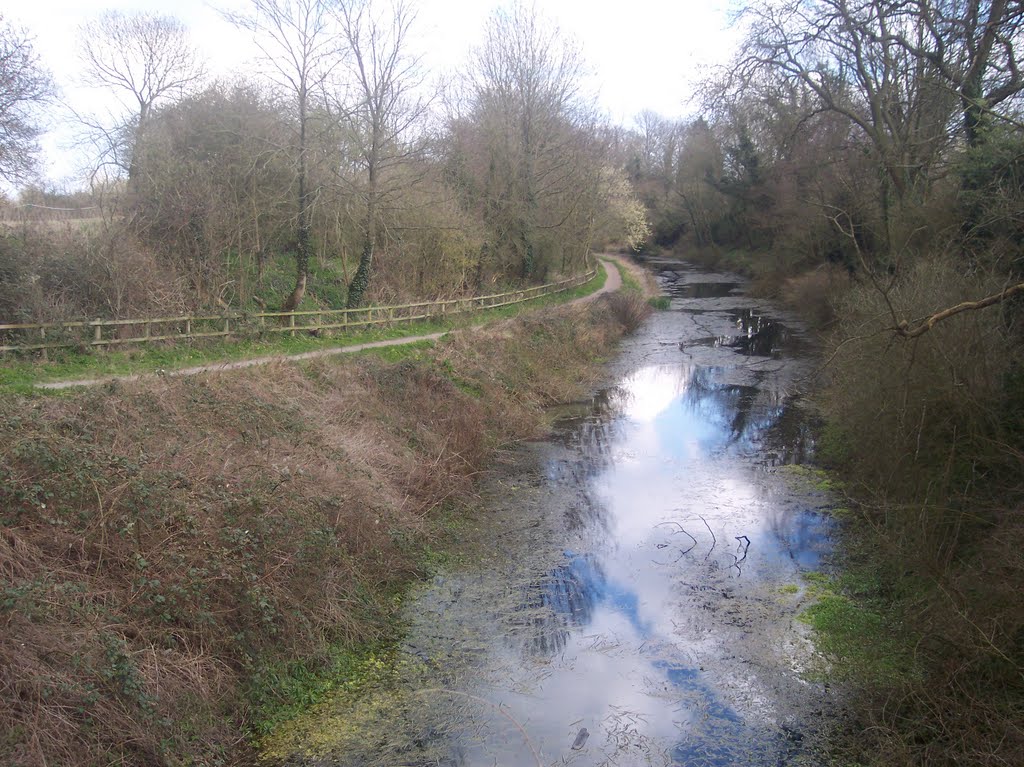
[927, 432]
[68, 272]
[165, 546]
[630, 308]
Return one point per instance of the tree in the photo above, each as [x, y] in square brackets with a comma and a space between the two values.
[971, 44]
[660, 139]
[209, 192]
[698, 175]
[851, 59]
[24, 85]
[146, 57]
[300, 44]
[531, 133]
[386, 109]
[845, 53]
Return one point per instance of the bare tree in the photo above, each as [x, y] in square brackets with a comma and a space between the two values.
[660, 140]
[386, 110]
[24, 85]
[209, 190]
[971, 45]
[841, 51]
[535, 122]
[146, 58]
[848, 55]
[300, 45]
[699, 168]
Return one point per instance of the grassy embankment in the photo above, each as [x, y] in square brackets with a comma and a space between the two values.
[638, 281]
[924, 441]
[21, 374]
[188, 560]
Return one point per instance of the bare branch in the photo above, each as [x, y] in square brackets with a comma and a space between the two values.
[906, 331]
[24, 86]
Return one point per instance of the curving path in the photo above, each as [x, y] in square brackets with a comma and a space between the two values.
[612, 283]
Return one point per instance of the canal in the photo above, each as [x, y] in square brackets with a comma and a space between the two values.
[633, 583]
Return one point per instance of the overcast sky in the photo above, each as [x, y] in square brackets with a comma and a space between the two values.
[644, 54]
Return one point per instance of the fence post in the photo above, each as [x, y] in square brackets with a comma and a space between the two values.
[97, 333]
[42, 339]
[291, 324]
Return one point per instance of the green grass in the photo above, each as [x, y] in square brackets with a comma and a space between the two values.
[328, 288]
[21, 375]
[399, 353]
[660, 303]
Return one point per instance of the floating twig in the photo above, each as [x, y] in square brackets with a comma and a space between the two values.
[714, 540]
[746, 547]
[683, 531]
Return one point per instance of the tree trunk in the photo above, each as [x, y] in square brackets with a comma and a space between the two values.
[361, 281]
[357, 288]
[302, 232]
[293, 301]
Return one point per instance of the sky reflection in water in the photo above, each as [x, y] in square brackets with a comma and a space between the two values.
[674, 514]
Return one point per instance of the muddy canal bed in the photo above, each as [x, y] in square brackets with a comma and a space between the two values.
[634, 584]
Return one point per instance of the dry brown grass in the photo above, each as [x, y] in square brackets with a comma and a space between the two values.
[161, 542]
[630, 308]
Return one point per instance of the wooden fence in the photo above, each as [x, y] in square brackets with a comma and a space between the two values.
[21, 337]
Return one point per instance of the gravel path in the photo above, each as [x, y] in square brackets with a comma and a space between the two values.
[613, 283]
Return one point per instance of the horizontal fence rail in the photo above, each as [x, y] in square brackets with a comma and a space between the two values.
[23, 337]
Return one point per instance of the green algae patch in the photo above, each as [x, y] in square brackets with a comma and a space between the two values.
[349, 715]
[809, 477]
[855, 640]
[815, 481]
[390, 711]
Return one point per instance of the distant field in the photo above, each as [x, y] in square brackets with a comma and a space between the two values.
[51, 222]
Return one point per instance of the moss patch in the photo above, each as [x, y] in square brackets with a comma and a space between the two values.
[856, 640]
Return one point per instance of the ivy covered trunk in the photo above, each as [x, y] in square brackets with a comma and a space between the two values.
[361, 280]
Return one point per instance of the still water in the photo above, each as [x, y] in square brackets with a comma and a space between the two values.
[635, 594]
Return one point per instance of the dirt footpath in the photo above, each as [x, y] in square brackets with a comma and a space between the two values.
[613, 283]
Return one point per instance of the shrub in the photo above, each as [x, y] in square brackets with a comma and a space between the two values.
[929, 433]
[814, 293]
[82, 272]
[629, 308]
